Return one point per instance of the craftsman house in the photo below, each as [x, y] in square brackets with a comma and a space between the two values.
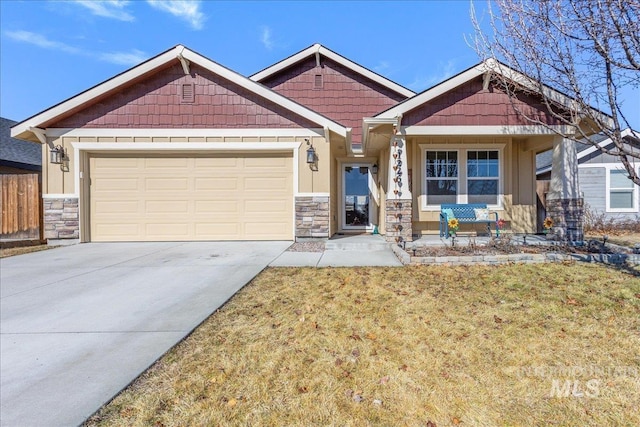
[182, 148]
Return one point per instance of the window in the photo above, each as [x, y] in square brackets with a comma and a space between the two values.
[461, 176]
[621, 191]
[441, 177]
[483, 177]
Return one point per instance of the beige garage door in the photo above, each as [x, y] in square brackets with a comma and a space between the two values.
[195, 197]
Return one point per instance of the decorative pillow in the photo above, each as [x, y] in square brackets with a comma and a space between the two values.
[449, 213]
[481, 214]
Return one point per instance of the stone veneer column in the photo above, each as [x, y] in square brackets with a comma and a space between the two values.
[312, 217]
[565, 205]
[398, 206]
[61, 219]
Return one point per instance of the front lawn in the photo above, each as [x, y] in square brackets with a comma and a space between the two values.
[540, 344]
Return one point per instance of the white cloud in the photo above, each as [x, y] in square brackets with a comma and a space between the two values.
[265, 37]
[444, 71]
[40, 41]
[114, 9]
[189, 10]
[133, 57]
[381, 67]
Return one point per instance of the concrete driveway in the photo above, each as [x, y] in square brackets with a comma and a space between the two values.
[79, 323]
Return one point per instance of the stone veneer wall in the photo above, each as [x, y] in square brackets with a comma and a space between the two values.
[568, 219]
[312, 217]
[61, 218]
[398, 221]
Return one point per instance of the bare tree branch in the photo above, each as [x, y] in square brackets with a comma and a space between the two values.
[575, 56]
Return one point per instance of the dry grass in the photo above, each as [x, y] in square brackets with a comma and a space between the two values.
[623, 239]
[7, 252]
[403, 346]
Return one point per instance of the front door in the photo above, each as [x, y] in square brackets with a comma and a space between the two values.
[356, 201]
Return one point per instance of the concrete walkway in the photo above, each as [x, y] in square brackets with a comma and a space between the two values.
[344, 251]
[79, 323]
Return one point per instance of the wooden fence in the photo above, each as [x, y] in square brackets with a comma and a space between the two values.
[20, 206]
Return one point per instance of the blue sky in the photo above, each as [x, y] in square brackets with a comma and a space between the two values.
[52, 50]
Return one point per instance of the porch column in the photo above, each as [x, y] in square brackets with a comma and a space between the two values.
[398, 206]
[565, 204]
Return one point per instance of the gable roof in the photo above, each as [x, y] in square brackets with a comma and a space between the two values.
[17, 153]
[583, 149]
[178, 53]
[483, 68]
[328, 53]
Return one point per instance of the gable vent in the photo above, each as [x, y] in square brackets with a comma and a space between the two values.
[188, 93]
[317, 81]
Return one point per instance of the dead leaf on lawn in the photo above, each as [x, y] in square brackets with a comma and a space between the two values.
[384, 379]
[456, 421]
[497, 319]
[431, 424]
[232, 403]
[637, 295]
[302, 390]
[355, 352]
[338, 362]
[572, 301]
[404, 368]
[371, 336]
[355, 336]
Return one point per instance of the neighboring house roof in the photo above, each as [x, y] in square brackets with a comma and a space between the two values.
[318, 49]
[27, 129]
[17, 153]
[584, 149]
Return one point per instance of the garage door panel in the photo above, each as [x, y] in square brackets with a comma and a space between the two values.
[191, 197]
[168, 183]
[117, 184]
[221, 183]
[161, 207]
[211, 207]
[118, 207]
[216, 162]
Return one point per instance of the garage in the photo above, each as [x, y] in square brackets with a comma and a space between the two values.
[180, 197]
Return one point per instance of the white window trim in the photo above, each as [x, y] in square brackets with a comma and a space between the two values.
[462, 150]
[616, 166]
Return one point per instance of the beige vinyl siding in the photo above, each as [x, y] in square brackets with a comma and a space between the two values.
[177, 197]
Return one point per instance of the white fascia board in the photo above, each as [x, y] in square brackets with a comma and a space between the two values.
[263, 91]
[187, 146]
[625, 133]
[125, 132]
[369, 122]
[516, 130]
[101, 89]
[317, 48]
[432, 93]
[172, 55]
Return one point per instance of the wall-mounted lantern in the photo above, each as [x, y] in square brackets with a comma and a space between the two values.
[56, 155]
[374, 169]
[311, 153]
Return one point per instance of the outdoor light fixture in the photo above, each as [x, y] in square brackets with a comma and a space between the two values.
[311, 153]
[374, 169]
[56, 156]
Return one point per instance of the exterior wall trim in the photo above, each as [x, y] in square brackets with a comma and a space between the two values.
[481, 130]
[312, 194]
[461, 148]
[81, 148]
[321, 50]
[98, 132]
[60, 196]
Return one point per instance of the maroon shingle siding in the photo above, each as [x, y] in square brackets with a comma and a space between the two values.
[346, 96]
[155, 102]
[470, 105]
